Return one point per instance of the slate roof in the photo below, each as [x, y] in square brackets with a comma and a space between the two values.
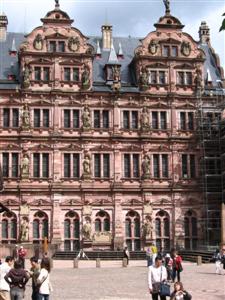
[9, 64]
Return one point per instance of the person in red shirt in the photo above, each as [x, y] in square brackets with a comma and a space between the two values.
[177, 265]
[21, 254]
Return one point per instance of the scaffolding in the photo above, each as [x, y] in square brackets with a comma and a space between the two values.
[209, 124]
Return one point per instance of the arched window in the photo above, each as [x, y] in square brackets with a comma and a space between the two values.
[102, 221]
[162, 228]
[9, 228]
[190, 230]
[133, 231]
[71, 231]
[40, 227]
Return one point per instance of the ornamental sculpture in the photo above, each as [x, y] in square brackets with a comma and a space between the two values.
[25, 117]
[116, 78]
[198, 78]
[86, 118]
[167, 6]
[87, 166]
[38, 42]
[147, 229]
[153, 47]
[24, 231]
[86, 230]
[25, 166]
[74, 44]
[186, 48]
[146, 166]
[143, 79]
[85, 78]
[26, 76]
[145, 120]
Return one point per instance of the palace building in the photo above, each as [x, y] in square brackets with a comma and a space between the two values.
[100, 141]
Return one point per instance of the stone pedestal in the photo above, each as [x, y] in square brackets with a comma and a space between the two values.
[87, 245]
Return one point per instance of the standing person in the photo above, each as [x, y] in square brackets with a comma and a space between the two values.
[4, 286]
[34, 273]
[15, 252]
[43, 280]
[156, 275]
[126, 254]
[218, 261]
[17, 279]
[21, 254]
[179, 293]
[149, 256]
[177, 265]
[169, 266]
[154, 252]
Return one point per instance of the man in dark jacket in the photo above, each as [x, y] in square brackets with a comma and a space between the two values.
[17, 279]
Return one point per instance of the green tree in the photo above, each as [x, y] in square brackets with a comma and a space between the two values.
[223, 24]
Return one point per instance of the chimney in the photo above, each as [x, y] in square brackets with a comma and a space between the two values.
[106, 37]
[3, 26]
[204, 34]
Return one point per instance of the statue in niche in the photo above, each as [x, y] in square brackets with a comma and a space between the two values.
[145, 125]
[153, 47]
[87, 165]
[143, 78]
[147, 228]
[85, 78]
[24, 231]
[38, 42]
[25, 166]
[86, 118]
[26, 76]
[198, 78]
[116, 73]
[73, 44]
[186, 48]
[86, 230]
[25, 117]
[146, 166]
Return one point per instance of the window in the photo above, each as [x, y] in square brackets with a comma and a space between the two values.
[41, 118]
[182, 120]
[66, 118]
[71, 165]
[75, 74]
[155, 121]
[10, 165]
[40, 227]
[190, 230]
[156, 172]
[186, 120]
[134, 119]
[184, 78]
[190, 124]
[157, 77]
[61, 46]
[10, 117]
[126, 120]
[174, 51]
[162, 77]
[153, 77]
[162, 228]
[73, 115]
[166, 51]
[66, 74]
[133, 231]
[131, 165]
[102, 221]
[163, 121]
[52, 46]
[105, 115]
[181, 78]
[46, 74]
[188, 78]
[37, 118]
[45, 117]
[188, 166]
[41, 165]
[165, 165]
[101, 165]
[160, 166]
[37, 73]
[71, 231]
[9, 228]
[130, 119]
[96, 119]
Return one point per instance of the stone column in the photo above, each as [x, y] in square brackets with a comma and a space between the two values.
[56, 226]
[118, 221]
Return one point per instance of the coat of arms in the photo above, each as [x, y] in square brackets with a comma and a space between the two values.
[74, 44]
[186, 48]
[153, 47]
[38, 42]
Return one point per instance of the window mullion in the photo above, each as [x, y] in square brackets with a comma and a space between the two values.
[71, 165]
[40, 166]
[188, 166]
[131, 166]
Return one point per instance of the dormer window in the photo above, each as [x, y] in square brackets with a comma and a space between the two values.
[52, 46]
[170, 51]
[174, 51]
[166, 51]
[58, 46]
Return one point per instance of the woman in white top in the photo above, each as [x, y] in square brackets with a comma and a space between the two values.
[44, 280]
[156, 274]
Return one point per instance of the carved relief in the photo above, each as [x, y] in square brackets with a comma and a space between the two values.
[145, 125]
[86, 230]
[38, 42]
[25, 117]
[102, 237]
[153, 47]
[24, 230]
[146, 167]
[186, 48]
[85, 78]
[25, 166]
[87, 166]
[147, 228]
[86, 118]
[74, 44]
[143, 79]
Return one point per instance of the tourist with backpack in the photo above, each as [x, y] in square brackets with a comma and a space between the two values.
[177, 265]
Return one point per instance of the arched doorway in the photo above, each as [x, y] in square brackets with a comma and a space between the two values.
[40, 227]
[162, 230]
[133, 231]
[9, 228]
[71, 231]
[190, 230]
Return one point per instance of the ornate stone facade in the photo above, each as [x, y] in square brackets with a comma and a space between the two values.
[100, 163]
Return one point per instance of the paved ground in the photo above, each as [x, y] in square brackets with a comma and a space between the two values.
[112, 282]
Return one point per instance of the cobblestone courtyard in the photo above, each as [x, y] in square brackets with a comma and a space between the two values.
[112, 281]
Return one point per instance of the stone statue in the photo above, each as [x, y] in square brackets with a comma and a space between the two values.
[87, 165]
[56, 3]
[26, 76]
[143, 79]
[147, 229]
[198, 78]
[24, 231]
[25, 116]
[145, 125]
[116, 73]
[25, 166]
[85, 78]
[167, 5]
[146, 165]
[86, 230]
[86, 118]
[153, 47]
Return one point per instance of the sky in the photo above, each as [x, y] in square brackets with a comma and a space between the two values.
[128, 17]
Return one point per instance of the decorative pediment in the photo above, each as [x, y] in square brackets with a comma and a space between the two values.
[72, 202]
[41, 61]
[11, 146]
[162, 201]
[71, 147]
[159, 104]
[186, 105]
[102, 147]
[42, 147]
[170, 41]
[103, 201]
[184, 66]
[10, 202]
[132, 202]
[73, 62]
[163, 147]
[132, 148]
[157, 65]
[56, 35]
[42, 102]
[40, 202]
[10, 101]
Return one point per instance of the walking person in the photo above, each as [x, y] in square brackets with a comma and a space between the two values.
[17, 279]
[4, 286]
[169, 266]
[156, 275]
[177, 265]
[179, 293]
[126, 254]
[217, 257]
[34, 273]
[43, 280]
